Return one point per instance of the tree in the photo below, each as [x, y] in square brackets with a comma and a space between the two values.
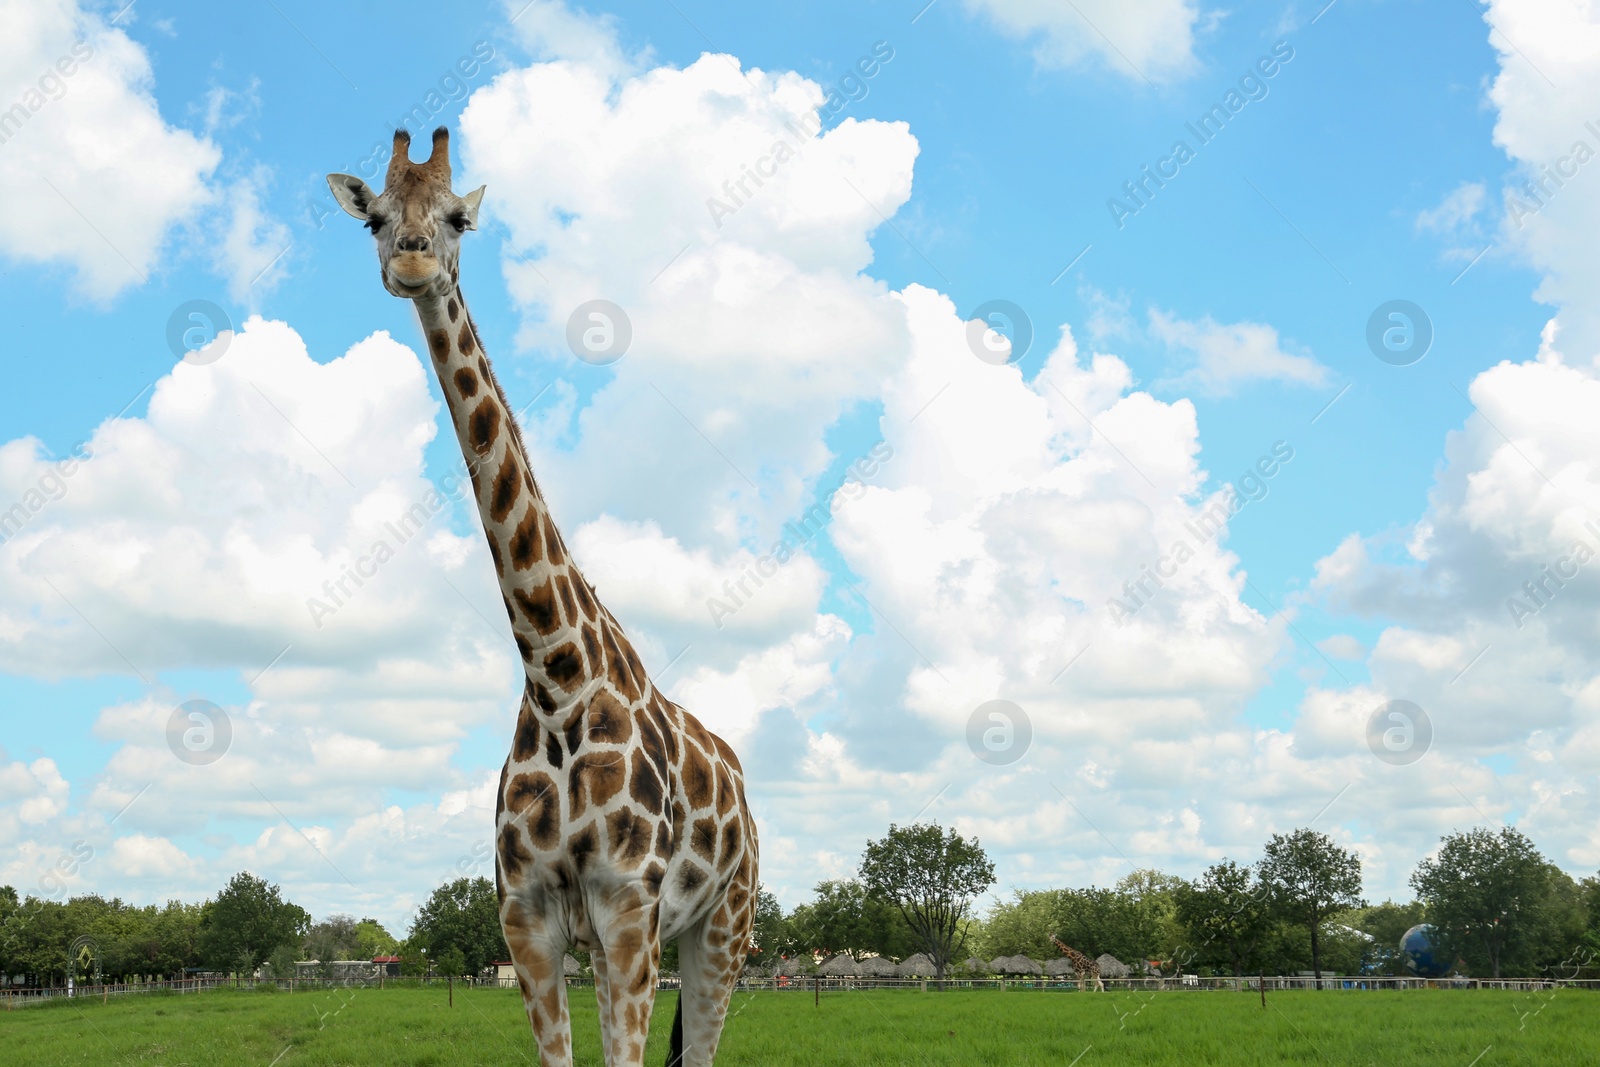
[1491, 895]
[281, 962]
[846, 917]
[464, 915]
[1226, 914]
[334, 938]
[771, 930]
[1149, 904]
[247, 921]
[1309, 876]
[372, 940]
[932, 876]
[451, 962]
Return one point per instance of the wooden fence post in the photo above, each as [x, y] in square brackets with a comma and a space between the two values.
[452, 986]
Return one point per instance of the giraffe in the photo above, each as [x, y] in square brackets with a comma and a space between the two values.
[1085, 967]
[621, 820]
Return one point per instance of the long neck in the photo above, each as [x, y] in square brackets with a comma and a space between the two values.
[570, 644]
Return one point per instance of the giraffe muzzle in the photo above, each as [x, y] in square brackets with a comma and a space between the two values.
[414, 270]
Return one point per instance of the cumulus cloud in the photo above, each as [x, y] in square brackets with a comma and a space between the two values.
[982, 552]
[1148, 39]
[1542, 95]
[269, 516]
[752, 331]
[1489, 593]
[1225, 356]
[91, 175]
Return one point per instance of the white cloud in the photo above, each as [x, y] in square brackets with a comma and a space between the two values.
[253, 251]
[1543, 95]
[1343, 646]
[752, 333]
[1458, 210]
[91, 175]
[1228, 355]
[1136, 38]
[197, 537]
[550, 29]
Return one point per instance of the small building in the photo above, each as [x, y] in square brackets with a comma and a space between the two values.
[388, 966]
[1111, 967]
[876, 967]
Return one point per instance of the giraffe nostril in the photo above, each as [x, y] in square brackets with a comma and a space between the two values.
[412, 244]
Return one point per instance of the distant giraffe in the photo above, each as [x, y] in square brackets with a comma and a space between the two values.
[1085, 967]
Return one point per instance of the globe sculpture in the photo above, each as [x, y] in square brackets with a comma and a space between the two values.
[1417, 952]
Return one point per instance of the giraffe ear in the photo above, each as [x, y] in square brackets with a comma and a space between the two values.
[353, 194]
[471, 202]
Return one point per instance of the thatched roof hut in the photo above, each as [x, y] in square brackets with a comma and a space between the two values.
[876, 967]
[975, 965]
[570, 965]
[794, 965]
[1018, 964]
[841, 966]
[1060, 967]
[1111, 967]
[920, 966]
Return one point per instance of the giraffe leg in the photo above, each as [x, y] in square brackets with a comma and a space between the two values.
[626, 965]
[712, 955]
[602, 996]
[544, 995]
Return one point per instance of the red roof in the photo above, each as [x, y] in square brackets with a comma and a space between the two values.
[386, 959]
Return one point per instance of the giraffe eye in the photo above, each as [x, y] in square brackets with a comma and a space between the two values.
[375, 223]
[459, 221]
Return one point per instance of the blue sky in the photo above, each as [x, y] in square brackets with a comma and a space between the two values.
[1226, 318]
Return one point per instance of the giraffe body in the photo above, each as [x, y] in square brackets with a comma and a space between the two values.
[621, 821]
[1083, 966]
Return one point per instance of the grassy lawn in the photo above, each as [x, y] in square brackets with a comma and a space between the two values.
[415, 1028]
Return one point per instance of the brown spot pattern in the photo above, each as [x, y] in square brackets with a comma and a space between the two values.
[507, 486]
[628, 836]
[484, 425]
[594, 779]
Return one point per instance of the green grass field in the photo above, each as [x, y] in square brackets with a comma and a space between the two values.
[415, 1028]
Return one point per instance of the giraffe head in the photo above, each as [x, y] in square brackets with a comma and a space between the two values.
[417, 220]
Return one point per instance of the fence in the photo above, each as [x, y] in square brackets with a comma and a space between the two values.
[806, 983]
[813, 984]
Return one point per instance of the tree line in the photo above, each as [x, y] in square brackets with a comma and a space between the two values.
[1498, 908]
